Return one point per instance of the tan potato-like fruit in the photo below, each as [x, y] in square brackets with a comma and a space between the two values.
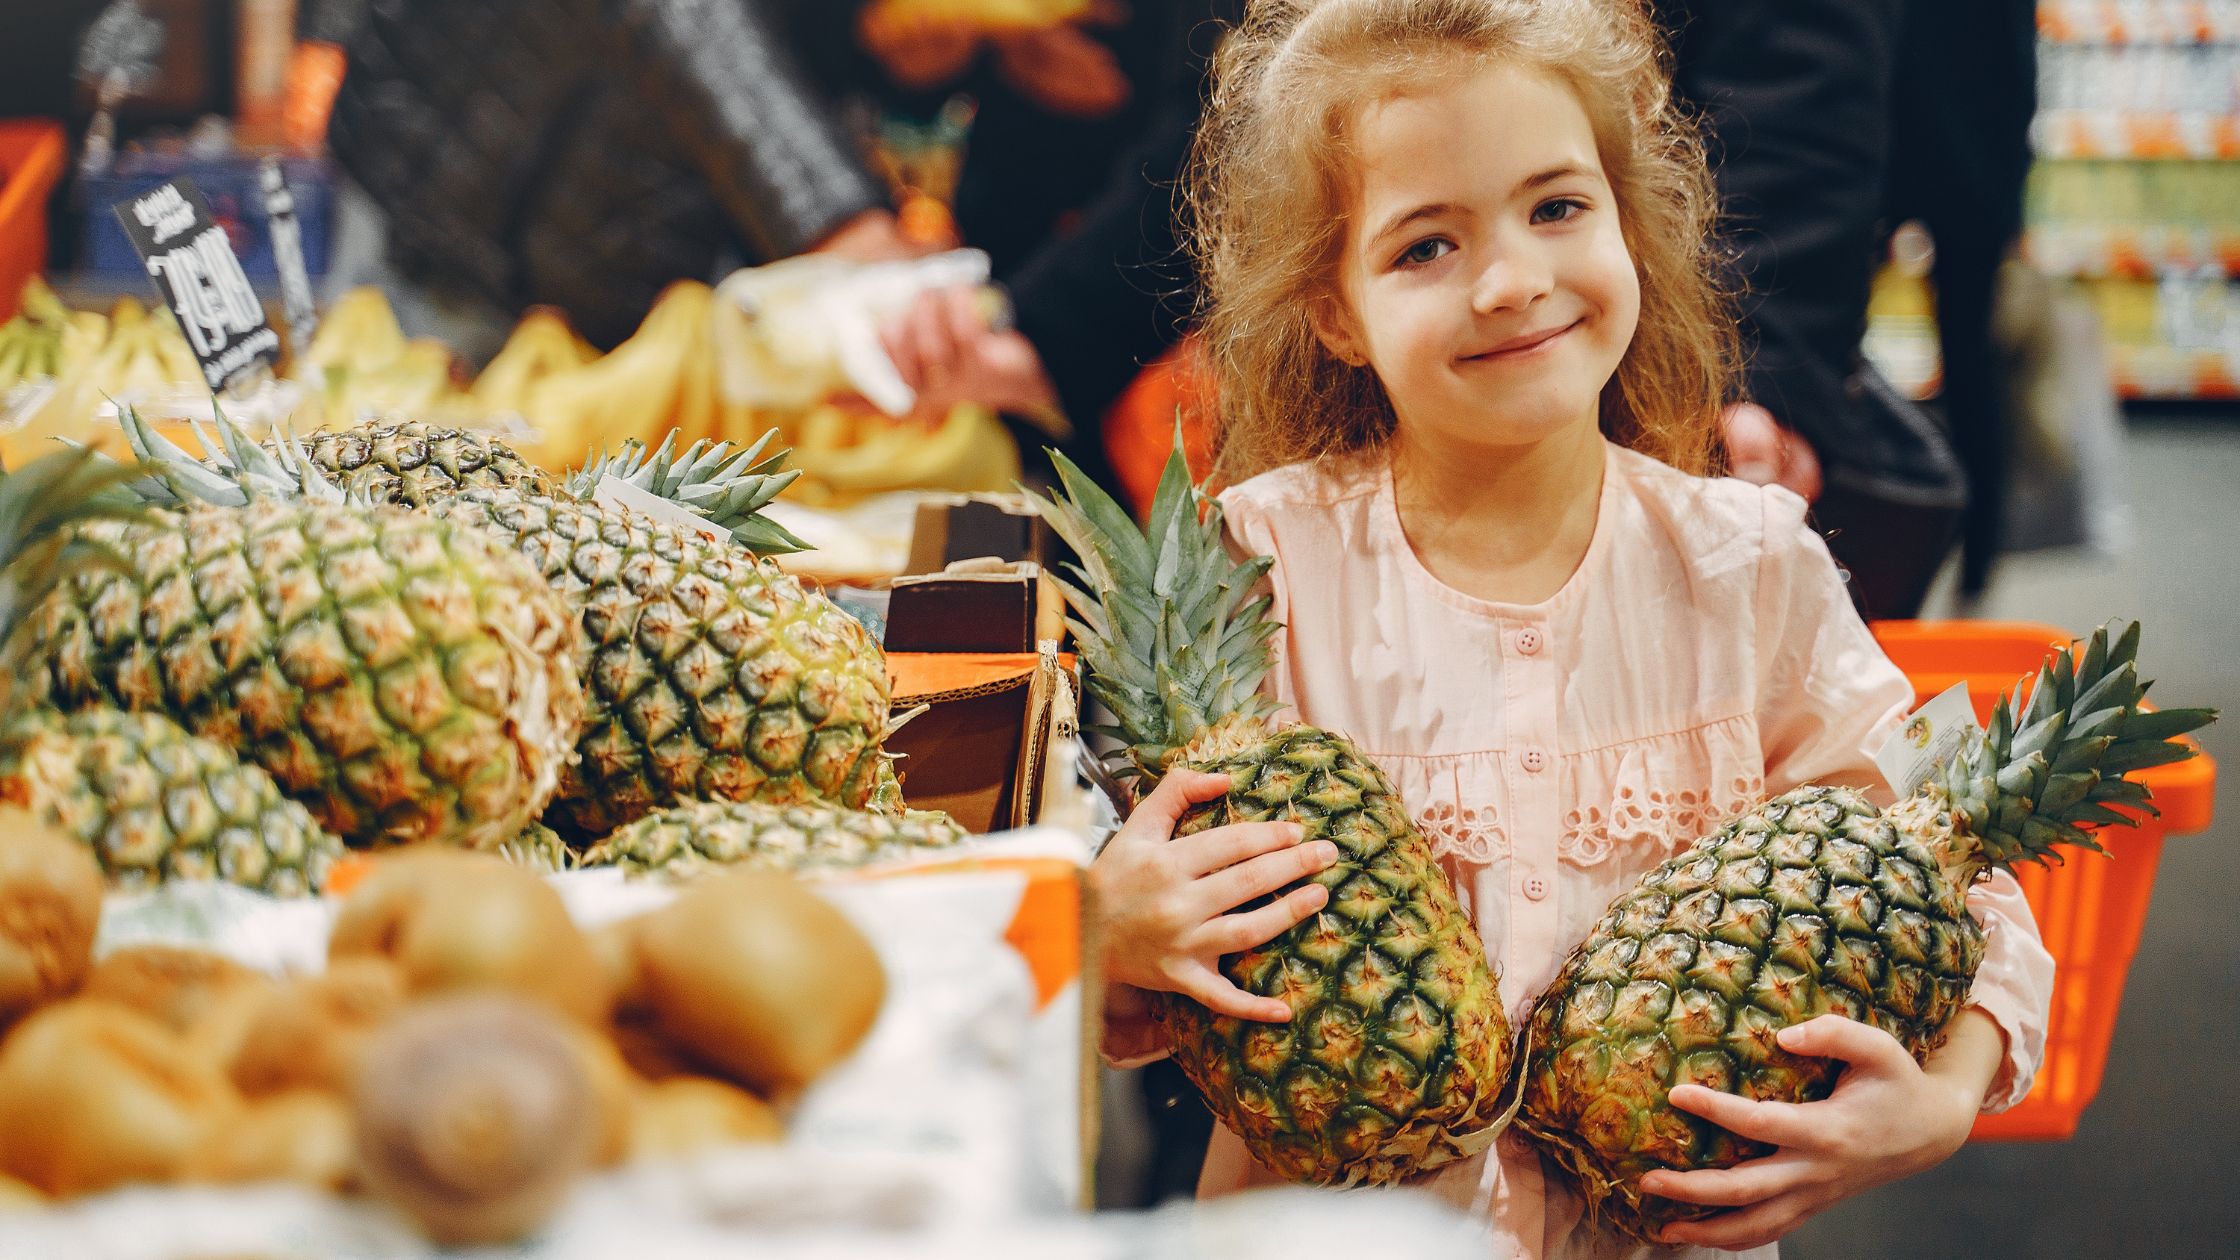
[175, 985]
[302, 1136]
[690, 1113]
[761, 978]
[475, 1114]
[649, 1053]
[456, 921]
[614, 1091]
[616, 947]
[309, 1033]
[50, 906]
[94, 1095]
[17, 1196]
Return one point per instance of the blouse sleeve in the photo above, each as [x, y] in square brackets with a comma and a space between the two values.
[1827, 696]
[1827, 699]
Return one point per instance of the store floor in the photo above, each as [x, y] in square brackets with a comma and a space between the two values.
[2150, 1171]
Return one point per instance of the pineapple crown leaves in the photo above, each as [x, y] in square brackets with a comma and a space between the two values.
[39, 549]
[1168, 623]
[2045, 770]
[729, 488]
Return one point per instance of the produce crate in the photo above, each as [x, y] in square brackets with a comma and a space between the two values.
[31, 152]
[2090, 910]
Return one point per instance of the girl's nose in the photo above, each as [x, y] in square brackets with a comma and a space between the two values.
[1515, 279]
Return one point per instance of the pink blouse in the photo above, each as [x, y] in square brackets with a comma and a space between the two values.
[1703, 656]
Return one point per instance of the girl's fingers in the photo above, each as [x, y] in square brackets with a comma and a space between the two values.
[1739, 1186]
[1834, 1037]
[1224, 847]
[1227, 889]
[1236, 933]
[1213, 990]
[1174, 796]
[1776, 1123]
[1751, 1227]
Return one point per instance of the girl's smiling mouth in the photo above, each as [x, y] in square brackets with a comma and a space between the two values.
[1519, 346]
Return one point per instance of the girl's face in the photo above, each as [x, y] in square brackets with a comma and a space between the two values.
[1484, 273]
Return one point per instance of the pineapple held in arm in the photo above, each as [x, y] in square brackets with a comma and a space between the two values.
[1397, 1046]
[1817, 903]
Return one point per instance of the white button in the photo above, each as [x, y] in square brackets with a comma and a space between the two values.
[1535, 761]
[1528, 641]
[1536, 888]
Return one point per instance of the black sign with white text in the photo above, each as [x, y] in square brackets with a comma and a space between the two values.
[194, 265]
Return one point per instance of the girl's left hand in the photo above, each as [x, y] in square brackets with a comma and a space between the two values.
[1888, 1119]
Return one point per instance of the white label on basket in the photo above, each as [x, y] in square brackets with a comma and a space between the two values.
[1929, 737]
[616, 493]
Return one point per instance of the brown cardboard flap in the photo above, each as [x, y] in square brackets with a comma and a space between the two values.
[979, 748]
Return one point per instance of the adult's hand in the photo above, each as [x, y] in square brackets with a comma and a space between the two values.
[1763, 451]
[945, 349]
[872, 236]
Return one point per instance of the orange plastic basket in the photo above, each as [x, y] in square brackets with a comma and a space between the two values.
[31, 154]
[2091, 910]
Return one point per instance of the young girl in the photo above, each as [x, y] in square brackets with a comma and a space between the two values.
[1460, 310]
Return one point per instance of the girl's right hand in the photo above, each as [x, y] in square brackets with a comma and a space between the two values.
[1169, 903]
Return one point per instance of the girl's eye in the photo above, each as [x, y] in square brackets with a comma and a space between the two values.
[1559, 210]
[1428, 250]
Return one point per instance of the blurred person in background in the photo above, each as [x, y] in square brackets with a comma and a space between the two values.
[509, 153]
[1819, 114]
[1079, 135]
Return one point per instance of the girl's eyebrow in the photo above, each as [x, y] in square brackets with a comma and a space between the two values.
[1438, 208]
[1403, 219]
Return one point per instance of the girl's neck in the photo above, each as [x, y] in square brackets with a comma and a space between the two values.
[1509, 525]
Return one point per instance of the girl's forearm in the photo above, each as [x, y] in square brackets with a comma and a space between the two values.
[1969, 1059]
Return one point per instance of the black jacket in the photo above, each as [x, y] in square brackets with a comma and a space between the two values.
[585, 153]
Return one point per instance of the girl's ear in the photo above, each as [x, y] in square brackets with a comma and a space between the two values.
[1334, 328]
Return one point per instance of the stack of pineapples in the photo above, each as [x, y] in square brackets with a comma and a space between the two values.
[238, 664]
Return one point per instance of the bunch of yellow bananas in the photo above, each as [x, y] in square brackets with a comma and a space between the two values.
[131, 353]
[360, 364]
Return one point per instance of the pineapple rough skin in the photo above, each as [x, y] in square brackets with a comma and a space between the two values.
[155, 803]
[405, 678]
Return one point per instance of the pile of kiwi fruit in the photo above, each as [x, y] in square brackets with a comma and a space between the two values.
[467, 1053]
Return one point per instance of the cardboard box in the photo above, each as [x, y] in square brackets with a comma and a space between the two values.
[981, 746]
[975, 606]
[957, 527]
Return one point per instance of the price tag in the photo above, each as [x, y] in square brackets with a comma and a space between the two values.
[1928, 738]
[614, 492]
[194, 266]
[287, 255]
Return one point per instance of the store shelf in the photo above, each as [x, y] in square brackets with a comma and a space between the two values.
[2173, 22]
[2135, 252]
[2069, 134]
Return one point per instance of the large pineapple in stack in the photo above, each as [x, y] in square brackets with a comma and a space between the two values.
[404, 677]
[1397, 1046]
[712, 675]
[152, 801]
[1817, 903]
[691, 839]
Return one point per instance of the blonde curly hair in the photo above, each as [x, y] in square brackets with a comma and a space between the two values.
[1269, 186]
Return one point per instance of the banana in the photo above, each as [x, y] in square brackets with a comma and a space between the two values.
[634, 392]
[541, 344]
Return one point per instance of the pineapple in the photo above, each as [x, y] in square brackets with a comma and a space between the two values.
[1816, 903]
[405, 678]
[539, 848]
[156, 803]
[1397, 1047]
[712, 675]
[152, 801]
[687, 839]
[411, 464]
